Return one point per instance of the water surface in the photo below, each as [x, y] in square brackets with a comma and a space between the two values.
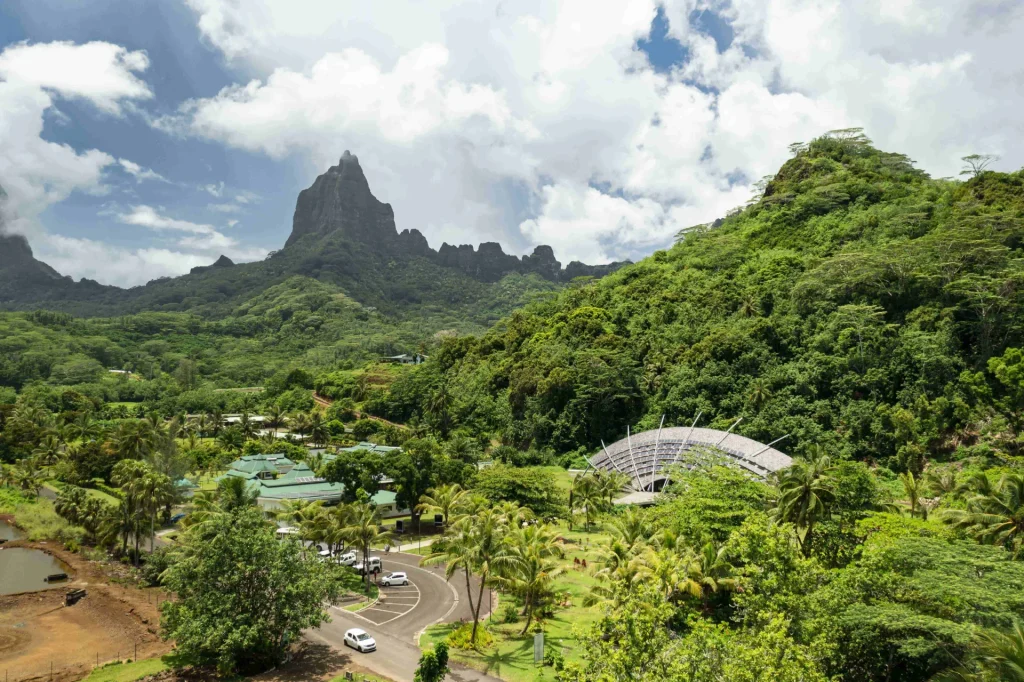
[23, 569]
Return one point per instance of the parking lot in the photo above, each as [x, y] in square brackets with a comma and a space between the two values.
[392, 604]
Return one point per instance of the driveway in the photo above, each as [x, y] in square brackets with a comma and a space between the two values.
[400, 616]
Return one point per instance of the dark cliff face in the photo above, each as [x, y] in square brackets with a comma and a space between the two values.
[340, 201]
[16, 259]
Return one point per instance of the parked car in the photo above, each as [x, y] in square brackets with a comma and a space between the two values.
[392, 579]
[359, 640]
[346, 559]
[374, 565]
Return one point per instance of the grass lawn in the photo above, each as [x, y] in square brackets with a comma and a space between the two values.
[57, 486]
[511, 656]
[127, 672]
[360, 677]
[205, 481]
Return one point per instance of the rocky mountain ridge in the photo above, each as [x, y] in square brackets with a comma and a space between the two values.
[340, 201]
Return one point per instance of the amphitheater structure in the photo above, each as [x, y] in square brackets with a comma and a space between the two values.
[645, 457]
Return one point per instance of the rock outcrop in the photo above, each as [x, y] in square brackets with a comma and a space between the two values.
[222, 262]
[340, 201]
[16, 259]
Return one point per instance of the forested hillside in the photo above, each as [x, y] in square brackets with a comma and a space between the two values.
[300, 322]
[858, 306]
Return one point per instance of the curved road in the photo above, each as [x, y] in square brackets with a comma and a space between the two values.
[400, 615]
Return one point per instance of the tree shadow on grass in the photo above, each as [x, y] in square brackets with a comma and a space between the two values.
[519, 658]
[312, 661]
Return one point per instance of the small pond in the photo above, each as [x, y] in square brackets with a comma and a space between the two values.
[8, 532]
[24, 570]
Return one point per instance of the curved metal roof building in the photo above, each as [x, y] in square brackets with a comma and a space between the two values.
[644, 456]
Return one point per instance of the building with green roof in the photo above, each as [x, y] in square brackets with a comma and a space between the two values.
[277, 478]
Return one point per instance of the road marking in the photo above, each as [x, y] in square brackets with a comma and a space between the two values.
[409, 610]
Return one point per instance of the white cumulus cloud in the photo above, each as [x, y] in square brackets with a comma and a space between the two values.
[102, 73]
[536, 121]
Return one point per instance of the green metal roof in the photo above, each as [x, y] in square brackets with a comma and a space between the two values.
[384, 497]
[257, 463]
[370, 446]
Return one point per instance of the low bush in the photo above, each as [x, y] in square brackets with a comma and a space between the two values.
[460, 637]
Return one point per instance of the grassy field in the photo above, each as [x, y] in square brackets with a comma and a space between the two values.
[57, 486]
[127, 672]
[136, 670]
[511, 655]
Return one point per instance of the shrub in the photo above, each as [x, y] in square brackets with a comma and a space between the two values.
[509, 614]
[553, 657]
[459, 638]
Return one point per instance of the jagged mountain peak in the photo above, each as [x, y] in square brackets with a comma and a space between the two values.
[340, 203]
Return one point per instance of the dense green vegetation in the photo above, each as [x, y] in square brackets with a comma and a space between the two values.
[868, 311]
[858, 306]
[300, 322]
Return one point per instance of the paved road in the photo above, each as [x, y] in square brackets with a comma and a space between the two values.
[399, 617]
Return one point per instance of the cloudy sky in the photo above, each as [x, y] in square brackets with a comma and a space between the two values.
[139, 138]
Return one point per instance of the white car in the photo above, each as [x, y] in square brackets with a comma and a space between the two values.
[392, 579]
[360, 641]
[374, 564]
[346, 559]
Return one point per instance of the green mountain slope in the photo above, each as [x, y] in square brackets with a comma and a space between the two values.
[298, 322]
[858, 306]
[343, 236]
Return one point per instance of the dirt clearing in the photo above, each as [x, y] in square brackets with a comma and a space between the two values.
[37, 631]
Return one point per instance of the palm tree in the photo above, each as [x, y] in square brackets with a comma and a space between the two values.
[300, 424]
[156, 491]
[912, 488]
[247, 427]
[512, 512]
[611, 484]
[200, 423]
[48, 452]
[941, 481]
[632, 527]
[192, 440]
[585, 494]
[462, 448]
[439, 406]
[216, 420]
[995, 656]
[276, 418]
[134, 440]
[231, 439]
[995, 517]
[318, 432]
[84, 428]
[807, 492]
[619, 566]
[27, 476]
[528, 566]
[329, 526]
[474, 545]
[130, 475]
[444, 500]
[710, 568]
[235, 493]
[364, 530]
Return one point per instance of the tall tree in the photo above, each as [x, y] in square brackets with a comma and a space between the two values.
[242, 596]
[994, 516]
[364, 531]
[806, 494]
